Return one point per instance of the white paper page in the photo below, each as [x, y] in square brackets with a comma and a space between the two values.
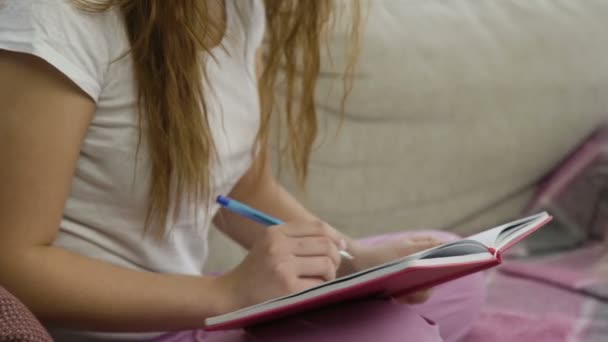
[473, 248]
[349, 281]
[458, 248]
[507, 236]
[491, 237]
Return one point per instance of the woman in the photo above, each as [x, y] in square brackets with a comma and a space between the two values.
[121, 120]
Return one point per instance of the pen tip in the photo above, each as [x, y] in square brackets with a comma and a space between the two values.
[346, 255]
[222, 200]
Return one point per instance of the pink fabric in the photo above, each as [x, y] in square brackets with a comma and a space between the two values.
[448, 316]
[17, 323]
[576, 194]
[503, 325]
[524, 310]
[553, 298]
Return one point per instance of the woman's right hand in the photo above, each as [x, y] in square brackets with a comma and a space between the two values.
[288, 258]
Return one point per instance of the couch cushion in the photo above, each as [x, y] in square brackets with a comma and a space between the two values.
[458, 105]
[17, 323]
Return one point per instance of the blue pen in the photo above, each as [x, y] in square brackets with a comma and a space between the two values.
[255, 215]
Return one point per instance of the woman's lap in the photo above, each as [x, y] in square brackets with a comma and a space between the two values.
[447, 316]
[372, 320]
[453, 306]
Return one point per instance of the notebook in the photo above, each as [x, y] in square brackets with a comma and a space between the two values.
[398, 277]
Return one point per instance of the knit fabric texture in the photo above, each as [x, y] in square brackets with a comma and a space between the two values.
[17, 323]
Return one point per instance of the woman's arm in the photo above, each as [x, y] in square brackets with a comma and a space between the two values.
[260, 189]
[43, 119]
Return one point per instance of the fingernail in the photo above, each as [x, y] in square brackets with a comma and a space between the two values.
[343, 244]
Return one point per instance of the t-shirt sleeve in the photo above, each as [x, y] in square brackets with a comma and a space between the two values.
[73, 41]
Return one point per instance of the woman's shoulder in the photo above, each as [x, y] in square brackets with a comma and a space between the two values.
[77, 40]
[48, 11]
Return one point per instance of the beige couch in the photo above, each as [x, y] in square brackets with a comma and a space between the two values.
[459, 107]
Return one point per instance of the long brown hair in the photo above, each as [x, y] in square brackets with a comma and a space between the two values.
[166, 40]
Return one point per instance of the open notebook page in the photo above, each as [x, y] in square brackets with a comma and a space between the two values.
[472, 249]
[501, 235]
[495, 238]
[345, 282]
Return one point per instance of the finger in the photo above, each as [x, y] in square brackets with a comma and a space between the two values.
[416, 297]
[316, 246]
[306, 283]
[414, 248]
[425, 240]
[316, 228]
[315, 267]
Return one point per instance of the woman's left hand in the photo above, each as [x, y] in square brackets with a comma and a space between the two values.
[370, 256]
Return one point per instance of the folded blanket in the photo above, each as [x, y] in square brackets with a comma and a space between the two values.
[576, 194]
[497, 326]
[555, 288]
[530, 309]
[579, 271]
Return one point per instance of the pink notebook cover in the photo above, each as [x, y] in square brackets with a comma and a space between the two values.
[406, 281]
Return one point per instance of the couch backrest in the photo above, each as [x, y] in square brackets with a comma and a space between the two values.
[457, 104]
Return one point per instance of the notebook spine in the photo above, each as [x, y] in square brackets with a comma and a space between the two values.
[496, 253]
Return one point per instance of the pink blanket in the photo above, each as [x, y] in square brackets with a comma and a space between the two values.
[555, 299]
[559, 291]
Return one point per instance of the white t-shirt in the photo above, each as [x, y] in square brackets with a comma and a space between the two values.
[106, 209]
